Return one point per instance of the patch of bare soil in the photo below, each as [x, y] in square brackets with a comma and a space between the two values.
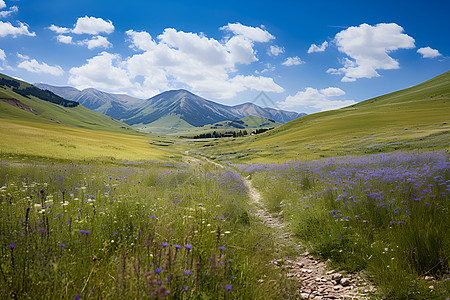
[17, 103]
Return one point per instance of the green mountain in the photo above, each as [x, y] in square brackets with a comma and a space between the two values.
[413, 118]
[23, 101]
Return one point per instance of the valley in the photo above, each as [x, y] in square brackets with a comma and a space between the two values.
[347, 203]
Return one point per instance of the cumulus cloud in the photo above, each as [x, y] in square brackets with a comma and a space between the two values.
[2, 54]
[34, 66]
[6, 28]
[314, 48]
[96, 42]
[65, 39]
[292, 61]
[6, 13]
[275, 50]
[85, 25]
[179, 59]
[313, 99]
[93, 26]
[102, 71]
[428, 52]
[369, 48]
[2, 4]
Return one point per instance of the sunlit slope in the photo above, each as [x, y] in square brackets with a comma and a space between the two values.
[43, 129]
[414, 118]
[25, 138]
[50, 113]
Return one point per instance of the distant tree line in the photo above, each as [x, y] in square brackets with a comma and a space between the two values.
[9, 83]
[234, 134]
[45, 95]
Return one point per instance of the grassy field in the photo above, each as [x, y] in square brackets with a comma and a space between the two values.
[415, 118]
[385, 214]
[72, 231]
[24, 138]
[93, 209]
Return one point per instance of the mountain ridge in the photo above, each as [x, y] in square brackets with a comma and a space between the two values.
[189, 107]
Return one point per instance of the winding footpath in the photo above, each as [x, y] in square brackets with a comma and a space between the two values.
[315, 279]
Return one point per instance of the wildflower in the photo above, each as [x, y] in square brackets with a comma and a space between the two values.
[228, 287]
[177, 246]
[187, 272]
[185, 288]
[188, 247]
[158, 270]
[164, 244]
[77, 297]
[221, 248]
[116, 233]
[62, 245]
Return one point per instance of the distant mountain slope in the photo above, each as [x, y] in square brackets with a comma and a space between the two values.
[198, 111]
[19, 106]
[414, 118]
[113, 105]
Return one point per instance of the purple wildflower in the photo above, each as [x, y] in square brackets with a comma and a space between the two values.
[164, 244]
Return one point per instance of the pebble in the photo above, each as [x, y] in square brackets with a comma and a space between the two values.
[345, 281]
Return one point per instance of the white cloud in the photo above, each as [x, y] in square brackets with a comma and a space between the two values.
[7, 28]
[179, 59]
[369, 48]
[428, 52]
[34, 66]
[275, 50]
[93, 26]
[292, 61]
[141, 40]
[96, 42]
[102, 71]
[2, 54]
[58, 29]
[254, 34]
[313, 99]
[6, 13]
[2, 4]
[314, 48]
[65, 39]
[203, 64]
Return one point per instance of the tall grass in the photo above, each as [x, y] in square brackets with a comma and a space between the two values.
[387, 214]
[157, 231]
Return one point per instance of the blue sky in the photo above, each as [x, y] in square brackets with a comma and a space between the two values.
[307, 56]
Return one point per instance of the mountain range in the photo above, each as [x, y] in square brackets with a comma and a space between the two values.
[176, 108]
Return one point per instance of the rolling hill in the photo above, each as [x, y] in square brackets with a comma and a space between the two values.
[53, 127]
[413, 118]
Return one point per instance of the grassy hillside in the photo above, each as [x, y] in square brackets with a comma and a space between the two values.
[50, 113]
[414, 118]
[38, 128]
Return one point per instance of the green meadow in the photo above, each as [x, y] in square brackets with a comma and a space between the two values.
[92, 208]
[414, 118]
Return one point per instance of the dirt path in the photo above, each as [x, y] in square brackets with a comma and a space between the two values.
[316, 280]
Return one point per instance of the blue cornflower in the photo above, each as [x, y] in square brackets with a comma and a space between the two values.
[228, 287]
[187, 272]
[164, 244]
[188, 247]
[158, 270]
